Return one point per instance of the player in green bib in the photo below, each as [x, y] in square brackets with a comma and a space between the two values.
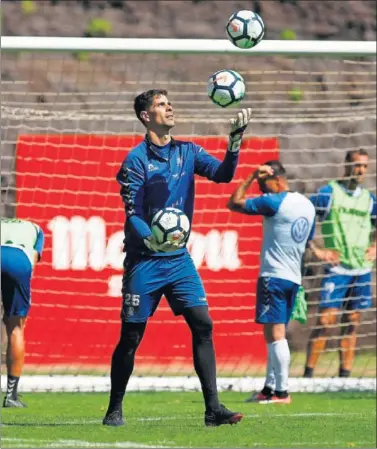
[21, 248]
[347, 211]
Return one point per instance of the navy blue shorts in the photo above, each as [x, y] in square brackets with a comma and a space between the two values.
[275, 300]
[342, 291]
[147, 279]
[16, 271]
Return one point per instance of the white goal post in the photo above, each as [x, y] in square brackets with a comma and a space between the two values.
[200, 46]
[67, 122]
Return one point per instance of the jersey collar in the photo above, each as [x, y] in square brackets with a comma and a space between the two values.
[356, 192]
[154, 148]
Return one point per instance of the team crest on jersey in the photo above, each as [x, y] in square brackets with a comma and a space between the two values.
[300, 229]
[152, 167]
[179, 161]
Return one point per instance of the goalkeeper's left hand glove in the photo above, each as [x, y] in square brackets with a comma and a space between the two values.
[151, 243]
[238, 126]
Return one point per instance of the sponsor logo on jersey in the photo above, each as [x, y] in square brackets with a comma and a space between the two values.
[300, 229]
[351, 211]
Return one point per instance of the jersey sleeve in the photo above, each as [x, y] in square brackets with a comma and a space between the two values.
[132, 181]
[373, 209]
[212, 168]
[39, 243]
[322, 200]
[266, 205]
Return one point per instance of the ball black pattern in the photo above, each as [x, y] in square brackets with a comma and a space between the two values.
[165, 231]
[218, 86]
[252, 40]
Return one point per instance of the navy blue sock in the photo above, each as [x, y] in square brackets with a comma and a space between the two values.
[12, 386]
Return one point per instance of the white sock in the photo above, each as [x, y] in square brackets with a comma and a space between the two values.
[270, 375]
[281, 358]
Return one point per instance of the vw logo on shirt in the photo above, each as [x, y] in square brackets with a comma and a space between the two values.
[300, 229]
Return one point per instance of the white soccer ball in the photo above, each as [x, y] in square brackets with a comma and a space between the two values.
[245, 29]
[170, 225]
[226, 88]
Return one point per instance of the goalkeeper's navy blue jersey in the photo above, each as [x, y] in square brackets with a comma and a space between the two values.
[153, 177]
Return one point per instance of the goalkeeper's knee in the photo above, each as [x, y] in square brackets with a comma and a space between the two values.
[131, 335]
[200, 322]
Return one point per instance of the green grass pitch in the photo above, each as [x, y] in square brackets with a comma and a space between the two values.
[73, 420]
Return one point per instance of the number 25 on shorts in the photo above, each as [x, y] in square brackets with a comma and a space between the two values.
[131, 300]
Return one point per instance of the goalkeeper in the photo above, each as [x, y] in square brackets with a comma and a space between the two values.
[289, 223]
[159, 173]
[348, 214]
[21, 248]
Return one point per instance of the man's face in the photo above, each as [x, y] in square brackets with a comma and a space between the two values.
[160, 113]
[357, 169]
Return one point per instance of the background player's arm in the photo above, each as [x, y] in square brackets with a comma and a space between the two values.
[372, 250]
[39, 244]
[322, 201]
[263, 205]
[215, 170]
[329, 256]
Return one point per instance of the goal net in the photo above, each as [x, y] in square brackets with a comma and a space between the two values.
[67, 123]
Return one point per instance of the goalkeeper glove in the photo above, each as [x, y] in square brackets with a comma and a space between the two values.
[151, 243]
[167, 247]
[238, 126]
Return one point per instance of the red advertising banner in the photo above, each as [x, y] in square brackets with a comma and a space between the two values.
[66, 184]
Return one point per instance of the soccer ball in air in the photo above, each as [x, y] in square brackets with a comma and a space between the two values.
[170, 225]
[226, 88]
[245, 29]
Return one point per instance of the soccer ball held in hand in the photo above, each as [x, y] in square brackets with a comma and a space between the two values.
[170, 228]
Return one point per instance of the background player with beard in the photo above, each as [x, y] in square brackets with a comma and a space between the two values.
[347, 211]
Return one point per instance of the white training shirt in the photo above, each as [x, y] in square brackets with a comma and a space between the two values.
[288, 224]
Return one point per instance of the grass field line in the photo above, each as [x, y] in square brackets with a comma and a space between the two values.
[195, 417]
[253, 415]
[25, 442]
[327, 443]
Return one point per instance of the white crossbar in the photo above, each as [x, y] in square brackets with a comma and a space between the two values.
[112, 45]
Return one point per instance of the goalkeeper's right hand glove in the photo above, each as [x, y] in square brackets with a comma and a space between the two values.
[238, 126]
[152, 244]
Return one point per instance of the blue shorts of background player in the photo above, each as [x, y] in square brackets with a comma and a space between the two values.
[147, 279]
[275, 300]
[16, 271]
[340, 291]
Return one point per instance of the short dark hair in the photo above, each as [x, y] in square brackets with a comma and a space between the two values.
[277, 167]
[351, 153]
[144, 100]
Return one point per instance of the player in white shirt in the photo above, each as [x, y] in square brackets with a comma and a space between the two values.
[288, 225]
